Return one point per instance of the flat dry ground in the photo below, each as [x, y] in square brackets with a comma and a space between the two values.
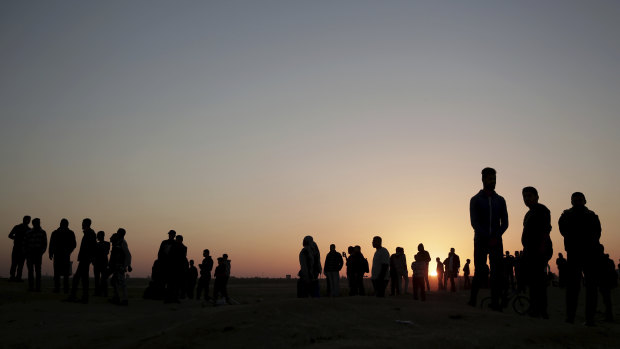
[270, 316]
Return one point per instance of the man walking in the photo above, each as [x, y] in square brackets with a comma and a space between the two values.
[86, 255]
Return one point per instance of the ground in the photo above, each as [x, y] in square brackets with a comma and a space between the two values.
[269, 316]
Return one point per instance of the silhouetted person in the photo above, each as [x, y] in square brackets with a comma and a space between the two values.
[445, 274]
[100, 265]
[380, 267]
[359, 267]
[62, 244]
[581, 230]
[205, 275]
[537, 250]
[394, 277]
[177, 266]
[608, 281]
[221, 280]
[426, 257]
[192, 276]
[182, 267]
[349, 263]
[36, 245]
[440, 272]
[509, 263]
[333, 264]
[452, 268]
[119, 265]
[560, 262]
[489, 218]
[18, 256]
[466, 273]
[167, 265]
[420, 272]
[519, 272]
[86, 255]
[308, 273]
[402, 271]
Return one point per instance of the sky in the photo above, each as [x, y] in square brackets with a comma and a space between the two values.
[247, 125]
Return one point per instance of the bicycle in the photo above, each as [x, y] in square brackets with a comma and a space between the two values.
[520, 303]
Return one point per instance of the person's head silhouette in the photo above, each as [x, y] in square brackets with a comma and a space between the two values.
[578, 200]
[489, 179]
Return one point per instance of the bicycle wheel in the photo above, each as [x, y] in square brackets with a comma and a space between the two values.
[521, 305]
[485, 303]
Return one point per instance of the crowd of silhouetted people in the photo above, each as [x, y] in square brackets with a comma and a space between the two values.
[173, 276]
[110, 259]
[528, 269]
[386, 270]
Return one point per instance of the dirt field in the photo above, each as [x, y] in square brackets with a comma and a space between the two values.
[269, 316]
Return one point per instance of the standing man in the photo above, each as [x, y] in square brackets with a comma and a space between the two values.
[452, 269]
[425, 257]
[18, 257]
[380, 267]
[36, 244]
[440, 272]
[86, 255]
[489, 218]
[120, 264]
[581, 230]
[466, 281]
[561, 264]
[62, 244]
[333, 264]
[537, 250]
[100, 265]
[402, 271]
[205, 275]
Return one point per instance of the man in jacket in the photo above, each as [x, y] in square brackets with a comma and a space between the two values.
[537, 250]
[581, 230]
[18, 257]
[62, 244]
[36, 244]
[489, 218]
[452, 268]
[333, 265]
[86, 255]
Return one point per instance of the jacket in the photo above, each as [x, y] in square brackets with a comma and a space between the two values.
[488, 215]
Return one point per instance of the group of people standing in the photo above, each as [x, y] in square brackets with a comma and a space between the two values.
[386, 269]
[174, 277]
[30, 244]
[580, 228]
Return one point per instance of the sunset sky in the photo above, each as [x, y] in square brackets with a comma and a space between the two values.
[246, 125]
